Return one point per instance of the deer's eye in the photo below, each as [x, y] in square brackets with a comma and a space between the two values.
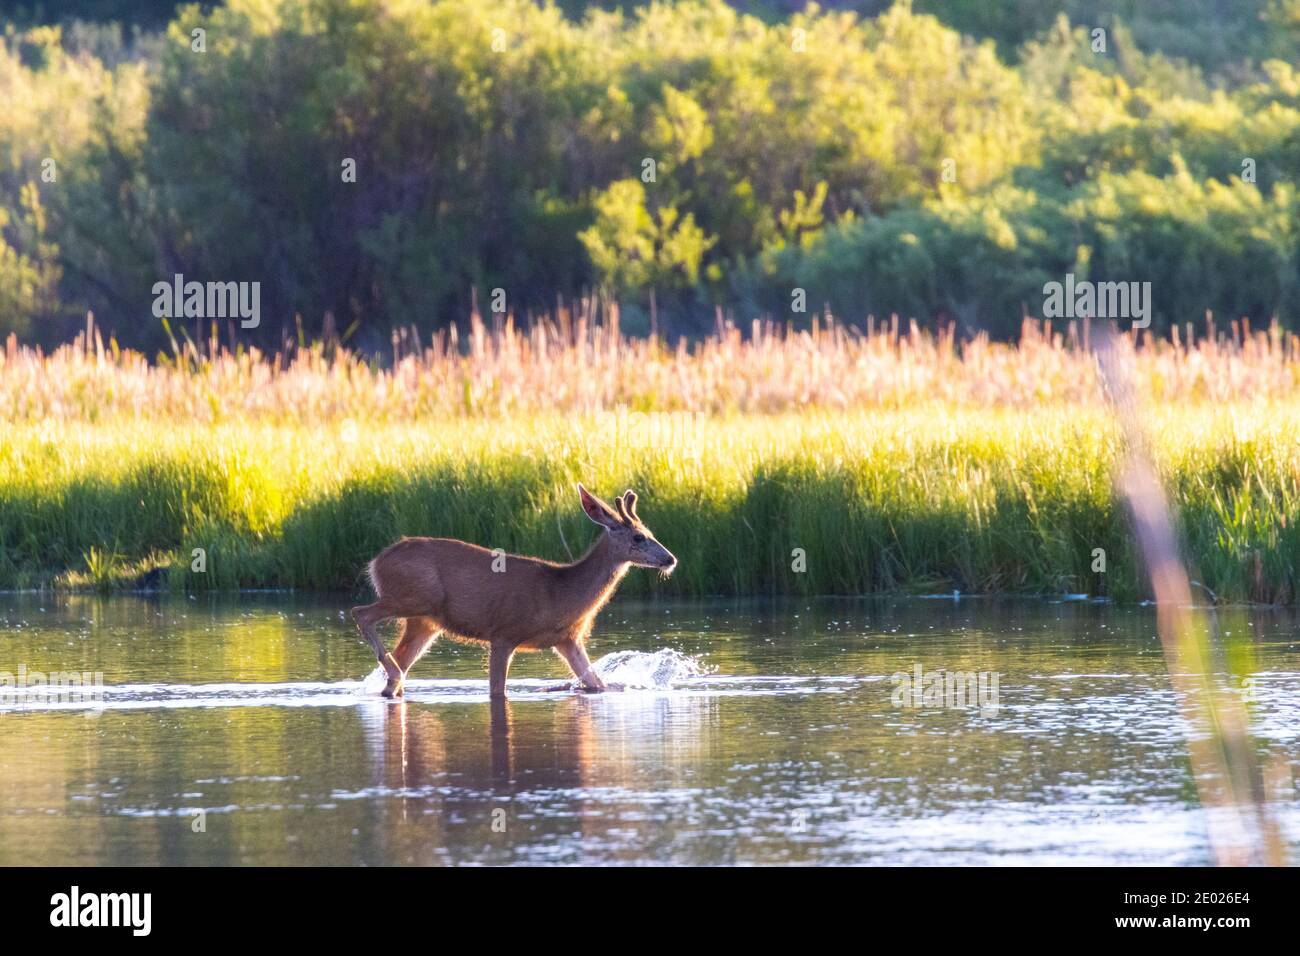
[638, 537]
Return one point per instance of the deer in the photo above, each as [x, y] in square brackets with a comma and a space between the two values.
[446, 587]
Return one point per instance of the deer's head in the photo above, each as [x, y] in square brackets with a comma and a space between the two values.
[630, 539]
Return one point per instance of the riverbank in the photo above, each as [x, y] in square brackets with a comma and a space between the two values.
[933, 498]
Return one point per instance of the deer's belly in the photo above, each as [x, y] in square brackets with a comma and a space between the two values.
[541, 642]
[517, 629]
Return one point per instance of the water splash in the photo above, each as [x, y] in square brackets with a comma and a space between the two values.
[375, 681]
[644, 671]
[633, 670]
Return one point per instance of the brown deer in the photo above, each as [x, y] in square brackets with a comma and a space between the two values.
[508, 602]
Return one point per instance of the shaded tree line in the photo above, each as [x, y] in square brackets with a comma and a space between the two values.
[375, 164]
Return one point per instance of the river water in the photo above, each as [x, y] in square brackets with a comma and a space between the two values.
[246, 730]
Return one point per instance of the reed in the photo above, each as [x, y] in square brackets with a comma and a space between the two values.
[888, 458]
[576, 364]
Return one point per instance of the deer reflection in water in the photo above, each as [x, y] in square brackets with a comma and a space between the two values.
[482, 767]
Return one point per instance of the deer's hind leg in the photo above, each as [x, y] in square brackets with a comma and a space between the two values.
[367, 616]
[499, 657]
[418, 635]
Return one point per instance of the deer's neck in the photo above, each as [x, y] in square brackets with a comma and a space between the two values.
[591, 579]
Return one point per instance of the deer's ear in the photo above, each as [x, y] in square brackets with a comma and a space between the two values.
[596, 509]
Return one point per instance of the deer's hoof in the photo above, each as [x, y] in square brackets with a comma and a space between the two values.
[392, 690]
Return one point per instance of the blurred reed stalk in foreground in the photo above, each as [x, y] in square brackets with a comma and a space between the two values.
[1228, 776]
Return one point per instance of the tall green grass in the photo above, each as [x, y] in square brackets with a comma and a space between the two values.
[928, 499]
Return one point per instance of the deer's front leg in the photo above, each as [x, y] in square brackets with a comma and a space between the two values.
[575, 655]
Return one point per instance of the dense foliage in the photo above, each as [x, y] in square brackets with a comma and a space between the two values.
[690, 155]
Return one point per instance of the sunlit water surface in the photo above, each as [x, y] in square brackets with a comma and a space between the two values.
[247, 731]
